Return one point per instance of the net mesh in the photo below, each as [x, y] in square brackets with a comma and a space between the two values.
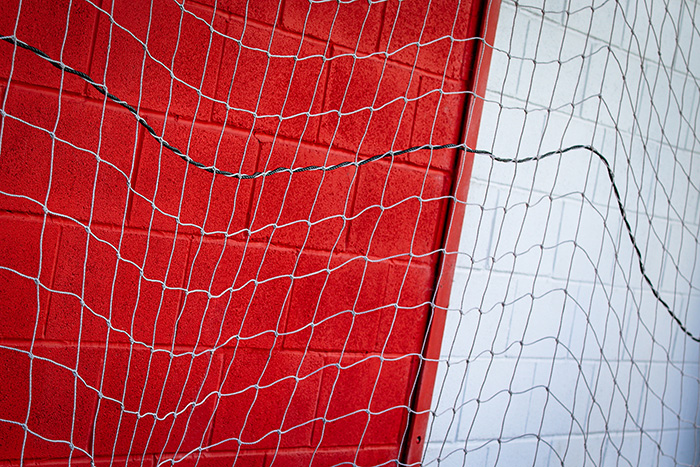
[349, 233]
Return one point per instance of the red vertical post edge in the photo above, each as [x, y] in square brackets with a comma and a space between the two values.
[415, 440]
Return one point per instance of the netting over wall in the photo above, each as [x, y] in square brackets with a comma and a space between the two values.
[571, 334]
[248, 233]
[157, 309]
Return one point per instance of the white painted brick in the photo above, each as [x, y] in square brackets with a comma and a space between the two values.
[639, 34]
[596, 444]
[686, 450]
[487, 413]
[488, 421]
[459, 285]
[612, 450]
[582, 266]
[663, 184]
[591, 239]
[552, 315]
[674, 195]
[653, 320]
[652, 413]
[562, 130]
[565, 408]
[602, 188]
[506, 17]
[553, 81]
[689, 40]
[479, 453]
[500, 66]
[624, 448]
[666, 20]
[520, 388]
[523, 451]
[621, 87]
[594, 18]
[488, 129]
[520, 309]
[650, 449]
[665, 385]
[447, 455]
[511, 216]
[672, 280]
[596, 327]
[446, 403]
[619, 304]
[520, 249]
[481, 323]
[681, 349]
[651, 235]
[685, 195]
[535, 7]
[481, 215]
[689, 95]
[600, 69]
[684, 349]
[681, 95]
[617, 389]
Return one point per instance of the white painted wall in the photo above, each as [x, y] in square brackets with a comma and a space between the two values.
[555, 351]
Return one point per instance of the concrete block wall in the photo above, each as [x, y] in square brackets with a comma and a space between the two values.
[555, 350]
[152, 312]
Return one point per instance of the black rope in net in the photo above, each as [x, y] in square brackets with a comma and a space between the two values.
[102, 89]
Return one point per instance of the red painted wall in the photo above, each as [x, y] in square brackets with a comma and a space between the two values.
[149, 308]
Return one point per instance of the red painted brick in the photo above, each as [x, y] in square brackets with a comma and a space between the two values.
[260, 10]
[14, 400]
[216, 459]
[123, 461]
[180, 39]
[321, 198]
[446, 23]
[249, 285]
[81, 187]
[372, 94]
[127, 290]
[281, 76]
[72, 171]
[54, 414]
[25, 166]
[260, 297]
[354, 25]
[169, 188]
[329, 298]
[407, 208]
[402, 327]
[46, 25]
[252, 415]
[26, 246]
[330, 457]
[363, 385]
[240, 263]
[80, 459]
[152, 383]
[38, 107]
[438, 121]
[52, 394]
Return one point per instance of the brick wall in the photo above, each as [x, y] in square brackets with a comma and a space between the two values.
[149, 308]
[556, 351]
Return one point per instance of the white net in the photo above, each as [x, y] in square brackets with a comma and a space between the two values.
[362, 233]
